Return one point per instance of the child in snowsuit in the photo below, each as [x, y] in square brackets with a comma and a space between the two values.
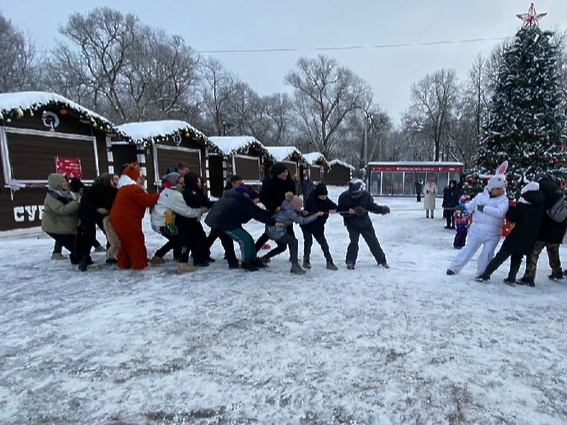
[318, 201]
[462, 222]
[489, 208]
[354, 204]
[288, 214]
[527, 216]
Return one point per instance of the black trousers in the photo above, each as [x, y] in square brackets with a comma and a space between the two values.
[69, 242]
[321, 240]
[265, 238]
[369, 236]
[282, 244]
[498, 260]
[226, 242]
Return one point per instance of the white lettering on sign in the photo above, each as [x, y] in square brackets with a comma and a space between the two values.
[28, 213]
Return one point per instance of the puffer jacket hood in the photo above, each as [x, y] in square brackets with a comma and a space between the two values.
[55, 180]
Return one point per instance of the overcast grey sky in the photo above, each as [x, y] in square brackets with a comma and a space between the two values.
[304, 25]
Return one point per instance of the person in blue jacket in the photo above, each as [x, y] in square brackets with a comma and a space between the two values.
[317, 201]
[355, 204]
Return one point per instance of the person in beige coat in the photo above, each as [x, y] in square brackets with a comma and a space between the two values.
[430, 191]
[60, 214]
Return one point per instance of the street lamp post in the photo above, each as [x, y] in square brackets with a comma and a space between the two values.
[369, 119]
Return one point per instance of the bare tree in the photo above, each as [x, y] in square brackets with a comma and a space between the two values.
[325, 94]
[160, 77]
[217, 86]
[19, 61]
[433, 100]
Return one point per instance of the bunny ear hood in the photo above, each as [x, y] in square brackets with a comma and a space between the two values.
[502, 168]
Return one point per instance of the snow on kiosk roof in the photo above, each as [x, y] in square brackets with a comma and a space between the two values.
[15, 105]
[147, 132]
[286, 153]
[339, 162]
[239, 145]
[315, 158]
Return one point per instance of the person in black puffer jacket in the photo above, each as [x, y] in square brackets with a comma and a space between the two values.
[272, 194]
[550, 236]
[239, 206]
[527, 217]
[317, 201]
[354, 204]
[451, 196]
[195, 197]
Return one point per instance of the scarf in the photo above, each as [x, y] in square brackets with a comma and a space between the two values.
[63, 196]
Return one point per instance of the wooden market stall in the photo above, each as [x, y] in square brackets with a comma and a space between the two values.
[317, 165]
[242, 155]
[43, 133]
[338, 173]
[166, 143]
[290, 156]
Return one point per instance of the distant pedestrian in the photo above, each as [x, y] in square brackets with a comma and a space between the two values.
[429, 203]
[450, 201]
[418, 189]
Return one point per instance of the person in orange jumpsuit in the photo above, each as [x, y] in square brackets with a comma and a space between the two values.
[126, 217]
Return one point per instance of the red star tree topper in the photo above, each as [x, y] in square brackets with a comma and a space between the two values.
[531, 17]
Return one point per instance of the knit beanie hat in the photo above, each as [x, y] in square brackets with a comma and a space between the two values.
[355, 187]
[278, 168]
[170, 180]
[132, 171]
[496, 182]
[321, 189]
[253, 194]
[75, 185]
[295, 201]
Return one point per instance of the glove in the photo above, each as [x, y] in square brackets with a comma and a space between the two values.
[384, 210]
[480, 208]
[359, 210]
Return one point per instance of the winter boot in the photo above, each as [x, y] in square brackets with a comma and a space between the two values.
[156, 260]
[258, 263]
[482, 278]
[509, 281]
[296, 269]
[58, 256]
[306, 263]
[331, 266]
[83, 263]
[249, 266]
[384, 265]
[185, 268]
[233, 264]
[350, 266]
[555, 276]
[264, 259]
[526, 281]
[100, 248]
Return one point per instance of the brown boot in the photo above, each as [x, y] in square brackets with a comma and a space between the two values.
[156, 261]
[185, 268]
[331, 266]
[306, 263]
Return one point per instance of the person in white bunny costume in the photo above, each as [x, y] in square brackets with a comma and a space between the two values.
[489, 208]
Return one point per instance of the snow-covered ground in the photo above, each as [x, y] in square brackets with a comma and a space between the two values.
[408, 345]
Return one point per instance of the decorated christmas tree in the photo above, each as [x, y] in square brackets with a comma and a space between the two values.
[525, 125]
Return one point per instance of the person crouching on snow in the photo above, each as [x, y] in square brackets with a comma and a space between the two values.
[489, 209]
[288, 214]
[527, 216]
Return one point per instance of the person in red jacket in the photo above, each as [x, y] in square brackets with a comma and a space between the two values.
[126, 217]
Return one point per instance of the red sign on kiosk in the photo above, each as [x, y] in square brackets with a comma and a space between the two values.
[70, 167]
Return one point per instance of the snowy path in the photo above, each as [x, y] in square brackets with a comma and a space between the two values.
[408, 345]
